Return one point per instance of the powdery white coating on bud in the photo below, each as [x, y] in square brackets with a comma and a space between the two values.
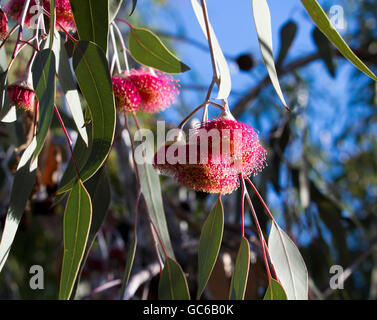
[157, 91]
[239, 144]
[127, 98]
[3, 25]
[21, 97]
[64, 15]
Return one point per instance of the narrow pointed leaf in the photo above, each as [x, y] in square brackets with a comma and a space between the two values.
[241, 272]
[225, 83]
[68, 85]
[22, 186]
[146, 48]
[151, 189]
[92, 20]
[262, 20]
[99, 191]
[93, 77]
[289, 264]
[209, 245]
[324, 49]
[287, 35]
[173, 284]
[77, 221]
[43, 71]
[129, 263]
[134, 3]
[275, 291]
[323, 23]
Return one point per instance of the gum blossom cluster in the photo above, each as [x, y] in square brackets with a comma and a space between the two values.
[144, 90]
[218, 153]
[64, 15]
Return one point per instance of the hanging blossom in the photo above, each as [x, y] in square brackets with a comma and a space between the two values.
[239, 143]
[3, 25]
[141, 90]
[157, 91]
[214, 175]
[64, 15]
[127, 97]
[21, 93]
[216, 168]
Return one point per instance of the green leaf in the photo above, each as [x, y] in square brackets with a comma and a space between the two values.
[151, 189]
[224, 80]
[287, 34]
[134, 3]
[289, 264]
[68, 84]
[129, 263]
[99, 191]
[147, 49]
[173, 284]
[92, 20]
[114, 6]
[209, 245]
[93, 77]
[43, 71]
[323, 23]
[275, 291]
[77, 221]
[262, 20]
[22, 186]
[241, 272]
[52, 21]
[324, 50]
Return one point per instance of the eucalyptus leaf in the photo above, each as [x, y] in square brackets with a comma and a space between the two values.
[77, 221]
[262, 20]
[93, 76]
[151, 189]
[209, 245]
[68, 84]
[224, 80]
[287, 35]
[241, 272]
[289, 264]
[43, 71]
[275, 291]
[325, 50]
[92, 20]
[173, 283]
[146, 48]
[22, 186]
[323, 23]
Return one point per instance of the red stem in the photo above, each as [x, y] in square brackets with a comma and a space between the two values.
[68, 140]
[124, 21]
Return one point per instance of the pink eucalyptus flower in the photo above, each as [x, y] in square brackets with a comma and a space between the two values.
[14, 9]
[3, 25]
[127, 98]
[21, 96]
[21, 92]
[157, 91]
[215, 175]
[64, 15]
[238, 142]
